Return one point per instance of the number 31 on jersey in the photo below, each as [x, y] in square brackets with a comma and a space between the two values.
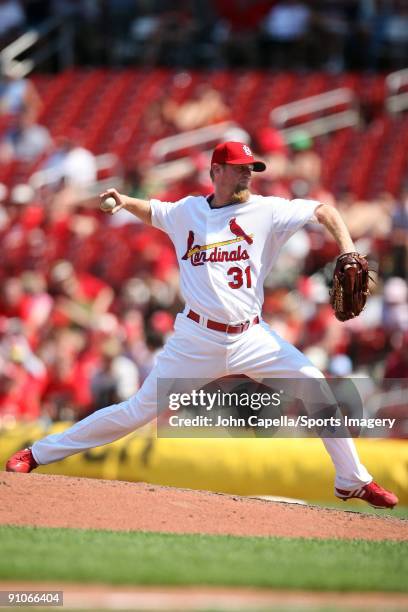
[238, 277]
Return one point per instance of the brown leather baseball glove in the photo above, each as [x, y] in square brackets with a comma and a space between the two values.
[350, 286]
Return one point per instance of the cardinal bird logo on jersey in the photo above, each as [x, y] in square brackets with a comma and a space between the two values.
[199, 254]
[190, 242]
[238, 231]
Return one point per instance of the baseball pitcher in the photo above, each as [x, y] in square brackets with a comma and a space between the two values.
[226, 245]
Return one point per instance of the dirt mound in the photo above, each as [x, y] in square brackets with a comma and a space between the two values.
[60, 501]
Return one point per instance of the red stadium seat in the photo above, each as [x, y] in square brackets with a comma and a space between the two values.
[109, 107]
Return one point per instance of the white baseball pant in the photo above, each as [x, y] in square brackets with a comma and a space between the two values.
[195, 351]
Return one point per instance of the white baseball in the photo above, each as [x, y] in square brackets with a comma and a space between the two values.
[108, 204]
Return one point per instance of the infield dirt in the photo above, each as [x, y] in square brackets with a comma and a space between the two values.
[106, 504]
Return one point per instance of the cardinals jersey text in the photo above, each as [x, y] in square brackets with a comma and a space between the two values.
[238, 243]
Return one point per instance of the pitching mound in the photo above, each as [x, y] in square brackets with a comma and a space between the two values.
[60, 501]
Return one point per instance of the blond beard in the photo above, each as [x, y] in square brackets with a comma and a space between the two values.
[240, 196]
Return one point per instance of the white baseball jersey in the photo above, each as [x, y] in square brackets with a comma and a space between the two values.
[226, 253]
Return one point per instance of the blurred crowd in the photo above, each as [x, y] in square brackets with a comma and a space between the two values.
[285, 34]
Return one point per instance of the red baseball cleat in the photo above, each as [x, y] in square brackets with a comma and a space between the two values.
[371, 493]
[22, 461]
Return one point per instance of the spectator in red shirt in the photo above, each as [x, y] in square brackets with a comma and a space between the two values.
[22, 373]
[80, 297]
[396, 365]
[20, 394]
[240, 28]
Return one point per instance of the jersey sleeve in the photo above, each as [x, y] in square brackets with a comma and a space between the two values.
[290, 215]
[167, 215]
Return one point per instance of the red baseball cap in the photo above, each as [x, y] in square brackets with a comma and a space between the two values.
[235, 153]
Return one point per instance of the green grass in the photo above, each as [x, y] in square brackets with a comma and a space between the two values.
[140, 558]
